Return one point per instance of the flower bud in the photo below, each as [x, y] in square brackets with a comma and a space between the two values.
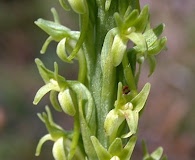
[59, 149]
[118, 49]
[79, 6]
[115, 158]
[66, 101]
[112, 122]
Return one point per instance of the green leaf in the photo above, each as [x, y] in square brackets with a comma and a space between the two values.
[84, 95]
[87, 117]
[86, 134]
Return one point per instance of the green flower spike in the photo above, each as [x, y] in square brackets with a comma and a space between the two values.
[105, 124]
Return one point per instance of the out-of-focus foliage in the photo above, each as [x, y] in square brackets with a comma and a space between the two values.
[171, 124]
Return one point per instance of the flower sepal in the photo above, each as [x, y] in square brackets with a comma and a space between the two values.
[115, 151]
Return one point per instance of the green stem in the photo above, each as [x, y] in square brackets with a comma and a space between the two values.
[82, 68]
[138, 73]
[75, 138]
[84, 19]
[103, 81]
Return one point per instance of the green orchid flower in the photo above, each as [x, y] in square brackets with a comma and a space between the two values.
[56, 83]
[116, 151]
[56, 133]
[62, 139]
[126, 109]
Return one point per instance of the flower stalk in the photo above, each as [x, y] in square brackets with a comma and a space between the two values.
[105, 117]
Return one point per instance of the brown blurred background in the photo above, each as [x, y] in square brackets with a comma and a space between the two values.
[169, 116]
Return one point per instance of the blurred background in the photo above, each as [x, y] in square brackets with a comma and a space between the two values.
[169, 117]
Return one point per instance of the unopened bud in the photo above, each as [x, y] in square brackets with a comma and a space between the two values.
[66, 101]
[79, 6]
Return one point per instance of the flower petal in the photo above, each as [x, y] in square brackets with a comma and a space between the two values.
[139, 41]
[59, 149]
[112, 122]
[132, 121]
[118, 49]
[140, 100]
[43, 90]
[67, 101]
[61, 51]
[41, 141]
